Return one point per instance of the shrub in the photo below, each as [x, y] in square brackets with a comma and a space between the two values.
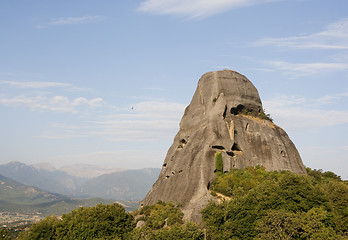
[156, 216]
[265, 116]
[219, 164]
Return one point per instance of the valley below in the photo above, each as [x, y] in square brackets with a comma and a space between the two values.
[29, 193]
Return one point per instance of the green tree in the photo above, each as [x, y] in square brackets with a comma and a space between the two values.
[279, 224]
[44, 229]
[277, 200]
[313, 225]
[5, 234]
[160, 214]
[187, 231]
[101, 221]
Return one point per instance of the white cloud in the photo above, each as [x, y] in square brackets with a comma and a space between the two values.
[71, 21]
[55, 104]
[34, 84]
[75, 20]
[334, 36]
[160, 109]
[307, 69]
[41, 85]
[195, 8]
[301, 113]
[332, 98]
[144, 121]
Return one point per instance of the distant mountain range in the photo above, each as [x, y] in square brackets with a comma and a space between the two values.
[125, 185]
[84, 181]
[20, 198]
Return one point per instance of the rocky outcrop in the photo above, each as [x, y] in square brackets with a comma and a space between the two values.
[225, 115]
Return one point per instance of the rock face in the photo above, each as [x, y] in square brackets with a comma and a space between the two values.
[223, 116]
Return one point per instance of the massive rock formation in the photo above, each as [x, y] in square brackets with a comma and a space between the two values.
[225, 115]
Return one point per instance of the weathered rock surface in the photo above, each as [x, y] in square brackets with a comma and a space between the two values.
[222, 116]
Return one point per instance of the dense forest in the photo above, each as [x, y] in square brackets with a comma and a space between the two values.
[249, 204]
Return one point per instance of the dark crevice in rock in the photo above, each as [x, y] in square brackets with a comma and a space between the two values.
[208, 187]
[180, 171]
[238, 109]
[283, 154]
[217, 147]
[225, 111]
[236, 147]
[230, 153]
[165, 165]
[167, 176]
[182, 145]
[173, 173]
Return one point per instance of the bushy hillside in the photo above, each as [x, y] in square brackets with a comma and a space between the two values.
[250, 204]
[161, 221]
[277, 205]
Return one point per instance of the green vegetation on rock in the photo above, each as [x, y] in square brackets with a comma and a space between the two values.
[164, 221]
[219, 164]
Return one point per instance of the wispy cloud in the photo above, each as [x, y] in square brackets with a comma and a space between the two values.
[144, 121]
[40, 85]
[334, 36]
[34, 84]
[55, 104]
[72, 21]
[195, 8]
[306, 69]
[332, 98]
[287, 110]
[75, 20]
[149, 121]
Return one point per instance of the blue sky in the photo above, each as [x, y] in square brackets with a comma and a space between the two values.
[106, 82]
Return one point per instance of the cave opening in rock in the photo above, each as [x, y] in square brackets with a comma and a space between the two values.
[236, 110]
[230, 153]
[183, 141]
[217, 147]
[236, 147]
